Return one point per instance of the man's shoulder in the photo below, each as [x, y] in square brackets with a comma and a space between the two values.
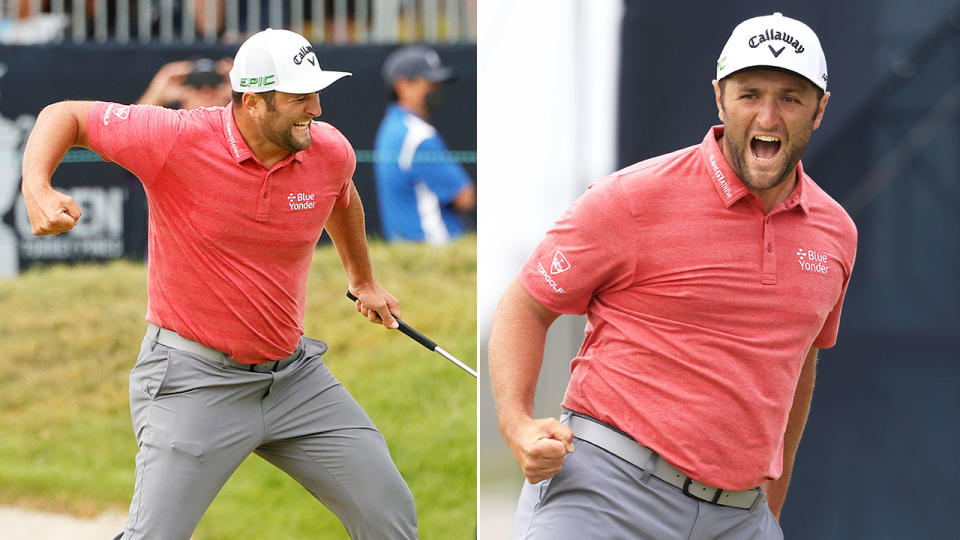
[324, 133]
[683, 162]
[328, 141]
[201, 121]
[823, 206]
[417, 127]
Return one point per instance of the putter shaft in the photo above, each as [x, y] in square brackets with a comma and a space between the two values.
[425, 341]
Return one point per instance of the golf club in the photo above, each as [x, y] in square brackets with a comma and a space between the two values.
[425, 341]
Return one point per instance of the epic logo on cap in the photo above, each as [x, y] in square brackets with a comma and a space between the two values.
[266, 80]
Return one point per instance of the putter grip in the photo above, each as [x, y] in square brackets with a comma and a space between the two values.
[408, 330]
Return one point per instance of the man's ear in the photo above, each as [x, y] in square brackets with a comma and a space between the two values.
[718, 96]
[821, 107]
[251, 103]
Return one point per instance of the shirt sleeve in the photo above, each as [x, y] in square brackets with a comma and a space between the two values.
[433, 165]
[349, 167]
[136, 137]
[587, 251]
[828, 334]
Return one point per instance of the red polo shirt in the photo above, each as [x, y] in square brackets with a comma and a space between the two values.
[230, 241]
[700, 307]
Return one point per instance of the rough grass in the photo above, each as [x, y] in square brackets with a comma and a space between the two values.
[70, 334]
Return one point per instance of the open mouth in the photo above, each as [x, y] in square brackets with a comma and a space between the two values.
[764, 147]
[302, 125]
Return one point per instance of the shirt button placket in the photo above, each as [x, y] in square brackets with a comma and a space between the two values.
[263, 201]
[769, 253]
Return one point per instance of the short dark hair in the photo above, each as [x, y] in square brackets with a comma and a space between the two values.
[237, 98]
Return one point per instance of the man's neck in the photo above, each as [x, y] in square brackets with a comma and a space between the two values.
[418, 108]
[266, 151]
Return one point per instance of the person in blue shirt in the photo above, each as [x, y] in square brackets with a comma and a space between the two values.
[421, 190]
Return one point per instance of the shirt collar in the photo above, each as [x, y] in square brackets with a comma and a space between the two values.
[730, 188]
[237, 146]
[231, 133]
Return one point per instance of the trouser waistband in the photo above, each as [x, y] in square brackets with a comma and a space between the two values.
[174, 340]
[621, 445]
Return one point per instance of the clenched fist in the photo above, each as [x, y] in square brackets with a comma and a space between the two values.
[50, 211]
[539, 445]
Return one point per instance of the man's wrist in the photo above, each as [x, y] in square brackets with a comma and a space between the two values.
[511, 424]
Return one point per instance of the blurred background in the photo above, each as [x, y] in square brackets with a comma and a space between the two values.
[571, 91]
[117, 50]
[72, 306]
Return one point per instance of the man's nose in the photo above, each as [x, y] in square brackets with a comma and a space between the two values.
[768, 117]
[313, 105]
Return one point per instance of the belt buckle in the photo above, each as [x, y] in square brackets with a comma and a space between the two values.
[688, 493]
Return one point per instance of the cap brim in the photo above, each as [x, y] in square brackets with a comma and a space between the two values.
[315, 84]
[440, 74]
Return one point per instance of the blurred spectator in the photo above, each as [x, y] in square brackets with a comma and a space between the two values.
[189, 84]
[419, 186]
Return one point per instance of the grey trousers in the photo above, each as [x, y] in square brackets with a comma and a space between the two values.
[597, 495]
[196, 420]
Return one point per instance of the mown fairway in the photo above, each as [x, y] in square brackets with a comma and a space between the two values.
[70, 334]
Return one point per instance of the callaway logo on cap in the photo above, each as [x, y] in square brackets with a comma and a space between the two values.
[279, 60]
[775, 41]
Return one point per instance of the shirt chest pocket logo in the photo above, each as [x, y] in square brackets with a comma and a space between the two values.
[813, 261]
[301, 201]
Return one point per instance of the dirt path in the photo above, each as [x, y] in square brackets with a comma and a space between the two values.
[23, 524]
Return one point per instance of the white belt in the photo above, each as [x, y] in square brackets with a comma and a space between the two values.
[624, 447]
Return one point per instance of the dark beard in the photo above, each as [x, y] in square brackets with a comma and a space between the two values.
[285, 139]
[740, 166]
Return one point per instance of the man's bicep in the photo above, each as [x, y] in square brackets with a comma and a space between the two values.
[544, 314]
[79, 110]
[519, 320]
[811, 359]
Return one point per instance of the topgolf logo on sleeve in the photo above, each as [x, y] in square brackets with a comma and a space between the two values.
[121, 112]
[558, 265]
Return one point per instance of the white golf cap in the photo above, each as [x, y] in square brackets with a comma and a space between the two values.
[279, 60]
[774, 41]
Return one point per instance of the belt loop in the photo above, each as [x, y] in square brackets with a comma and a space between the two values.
[152, 331]
[275, 366]
[761, 497]
[648, 468]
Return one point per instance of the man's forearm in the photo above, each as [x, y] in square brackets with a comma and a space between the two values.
[57, 129]
[777, 489]
[346, 227]
[517, 337]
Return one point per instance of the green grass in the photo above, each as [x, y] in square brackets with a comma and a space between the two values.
[70, 334]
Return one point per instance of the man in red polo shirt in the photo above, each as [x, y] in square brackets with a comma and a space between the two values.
[709, 277]
[238, 199]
